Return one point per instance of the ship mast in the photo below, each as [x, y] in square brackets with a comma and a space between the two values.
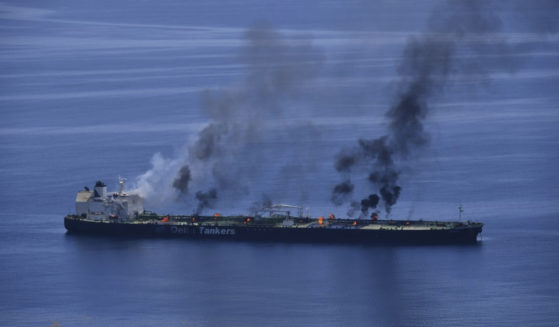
[460, 210]
[121, 182]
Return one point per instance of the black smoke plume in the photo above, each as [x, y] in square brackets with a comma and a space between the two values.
[354, 207]
[205, 200]
[182, 180]
[428, 60]
[342, 192]
[275, 69]
[390, 195]
[370, 202]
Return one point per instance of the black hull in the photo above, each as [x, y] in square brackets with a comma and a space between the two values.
[461, 235]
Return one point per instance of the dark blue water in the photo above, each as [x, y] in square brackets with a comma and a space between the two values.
[93, 91]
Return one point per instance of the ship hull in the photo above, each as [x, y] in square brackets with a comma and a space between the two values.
[466, 234]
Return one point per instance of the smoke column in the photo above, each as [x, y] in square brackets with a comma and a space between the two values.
[212, 163]
[428, 60]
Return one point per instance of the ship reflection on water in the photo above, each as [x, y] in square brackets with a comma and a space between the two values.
[272, 284]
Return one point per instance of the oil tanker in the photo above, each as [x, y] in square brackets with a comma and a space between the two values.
[122, 214]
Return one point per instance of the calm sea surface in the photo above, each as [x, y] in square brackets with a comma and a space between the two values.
[94, 91]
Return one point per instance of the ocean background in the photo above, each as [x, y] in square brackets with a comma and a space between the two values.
[93, 90]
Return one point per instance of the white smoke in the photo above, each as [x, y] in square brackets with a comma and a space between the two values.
[155, 185]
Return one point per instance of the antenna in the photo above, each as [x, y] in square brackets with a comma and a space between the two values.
[121, 182]
[460, 210]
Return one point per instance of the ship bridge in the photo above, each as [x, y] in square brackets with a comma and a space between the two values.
[100, 204]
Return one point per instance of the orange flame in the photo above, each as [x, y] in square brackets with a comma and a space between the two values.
[216, 214]
[165, 219]
[248, 220]
[354, 223]
[320, 220]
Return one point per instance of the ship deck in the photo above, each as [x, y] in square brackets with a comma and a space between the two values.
[283, 229]
[294, 223]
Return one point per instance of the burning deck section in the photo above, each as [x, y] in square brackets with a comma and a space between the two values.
[299, 223]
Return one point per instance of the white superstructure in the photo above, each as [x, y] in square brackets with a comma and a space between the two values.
[100, 204]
